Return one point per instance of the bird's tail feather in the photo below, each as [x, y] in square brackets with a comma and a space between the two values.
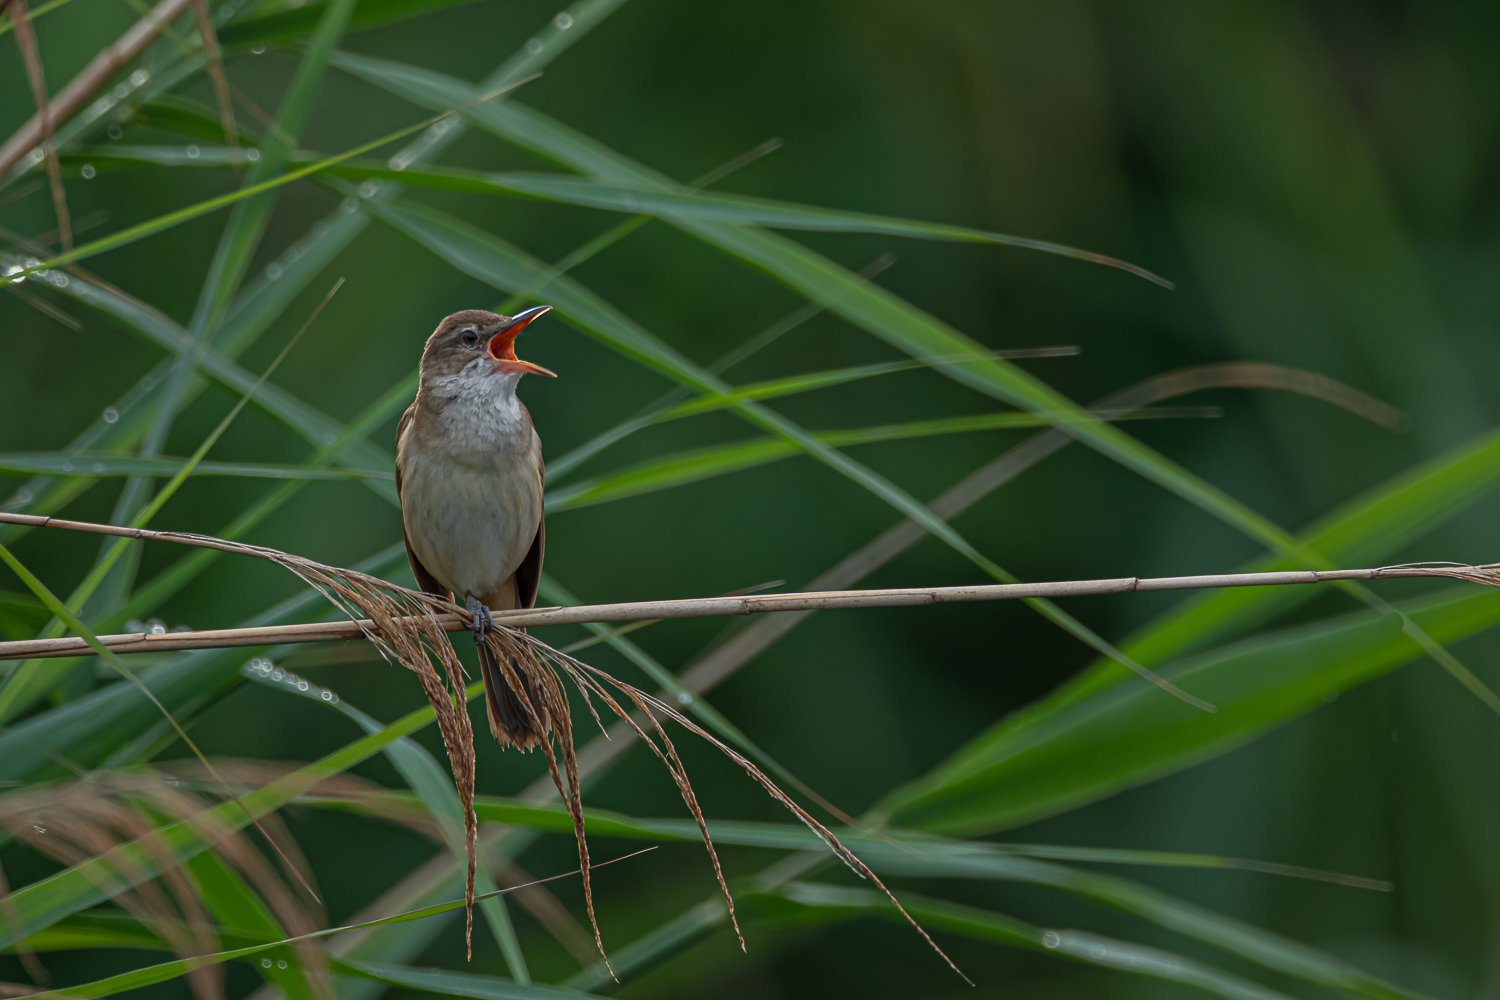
[509, 720]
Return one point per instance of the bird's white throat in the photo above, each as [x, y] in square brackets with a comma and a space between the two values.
[479, 408]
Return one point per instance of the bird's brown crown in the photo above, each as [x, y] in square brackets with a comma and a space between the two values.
[458, 340]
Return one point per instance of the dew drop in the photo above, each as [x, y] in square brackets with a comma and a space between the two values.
[273, 271]
[111, 414]
[139, 77]
[97, 466]
[1051, 939]
[265, 963]
[534, 46]
[67, 466]
[302, 685]
[281, 963]
[155, 626]
[148, 383]
[122, 91]
[684, 698]
[369, 187]
[259, 50]
[327, 695]
[87, 171]
[192, 152]
[277, 675]
[253, 155]
[24, 496]
[564, 21]
[115, 132]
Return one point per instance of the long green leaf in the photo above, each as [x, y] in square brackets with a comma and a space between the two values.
[1367, 529]
[457, 984]
[738, 209]
[171, 970]
[801, 903]
[705, 463]
[234, 904]
[103, 464]
[1116, 739]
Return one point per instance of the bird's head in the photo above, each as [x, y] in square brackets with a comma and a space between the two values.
[478, 343]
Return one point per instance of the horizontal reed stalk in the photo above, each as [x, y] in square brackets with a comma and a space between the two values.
[698, 607]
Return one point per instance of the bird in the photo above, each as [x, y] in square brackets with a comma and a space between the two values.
[469, 478]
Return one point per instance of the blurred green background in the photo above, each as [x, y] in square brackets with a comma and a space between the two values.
[1318, 178]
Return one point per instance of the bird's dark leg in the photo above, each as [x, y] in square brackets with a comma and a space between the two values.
[483, 621]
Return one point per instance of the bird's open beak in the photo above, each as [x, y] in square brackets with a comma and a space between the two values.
[503, 344]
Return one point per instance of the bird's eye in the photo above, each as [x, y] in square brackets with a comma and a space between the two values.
[470, 337]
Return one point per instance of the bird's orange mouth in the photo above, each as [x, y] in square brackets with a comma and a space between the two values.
[502, 347]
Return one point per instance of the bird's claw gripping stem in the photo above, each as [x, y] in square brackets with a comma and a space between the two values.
[483, 621]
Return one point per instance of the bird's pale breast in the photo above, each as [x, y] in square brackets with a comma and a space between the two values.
[471, 496]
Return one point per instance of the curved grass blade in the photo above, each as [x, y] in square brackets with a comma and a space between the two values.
[927, 854]
[802, 903]
[1367, 529]
[171, 970]
[95, 464]
[705, 463]
[1115, 739]
[446, 982]
[736, 209]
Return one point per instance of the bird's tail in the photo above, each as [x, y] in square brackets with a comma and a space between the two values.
[509, 720]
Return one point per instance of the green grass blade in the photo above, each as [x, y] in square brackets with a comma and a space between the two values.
[803, 903]
[926, 854]
[1116, 739]
[705, 463]
[446, 982]
[234, 904]
[288, 23]
[171, 970]
[1368, 529]
[728, 208]
[96, 464]
[643, 951]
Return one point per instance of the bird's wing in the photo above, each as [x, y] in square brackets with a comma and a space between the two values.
[425, 580]
[529, 573]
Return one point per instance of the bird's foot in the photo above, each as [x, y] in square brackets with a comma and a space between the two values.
[483, 621]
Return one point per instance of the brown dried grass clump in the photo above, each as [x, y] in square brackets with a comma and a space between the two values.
[81, 820]
[403, 625]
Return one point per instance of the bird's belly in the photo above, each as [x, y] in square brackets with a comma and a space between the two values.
[470, 526]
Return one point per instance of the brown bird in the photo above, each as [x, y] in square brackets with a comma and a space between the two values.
[469, 476]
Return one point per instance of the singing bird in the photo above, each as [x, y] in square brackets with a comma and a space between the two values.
[469, 477]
